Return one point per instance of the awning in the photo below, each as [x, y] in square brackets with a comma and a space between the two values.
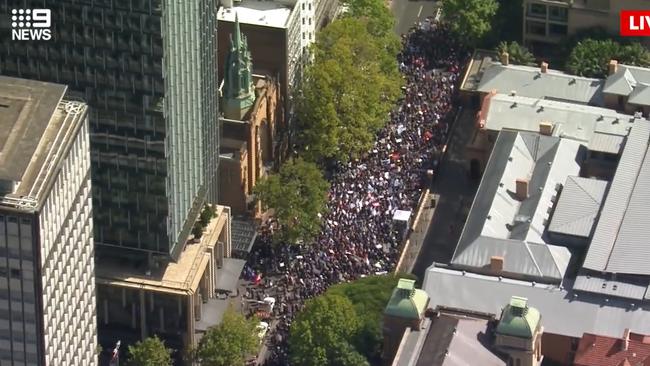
[401, 215]
[228, 275]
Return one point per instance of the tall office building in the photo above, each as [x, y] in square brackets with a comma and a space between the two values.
[148, 71]
[147, 68]
[47, 280]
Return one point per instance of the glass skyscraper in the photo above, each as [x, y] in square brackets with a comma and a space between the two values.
[147, 69]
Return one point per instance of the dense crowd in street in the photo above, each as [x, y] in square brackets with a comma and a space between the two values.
[359, 236]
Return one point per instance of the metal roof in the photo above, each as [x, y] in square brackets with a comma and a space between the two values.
[640, 95]
[564, 311]
[606, 142]
[626, 210]
[631, 288]
[620, 83]
[500, 225]
[578, 206]
[578, 122]
[531, 82]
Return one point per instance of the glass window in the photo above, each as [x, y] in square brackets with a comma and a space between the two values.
[537, 28]
[537, 10]
[557, 13]
[557, 29]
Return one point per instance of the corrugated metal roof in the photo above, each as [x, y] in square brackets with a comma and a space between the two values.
[501, 225]
[599, 284]
[631, 252]
[530, 82]
[578, 122]
[620, 83]
[564, 311]
[616, 204]
[578, 206]
[640, 95]
[606, 142]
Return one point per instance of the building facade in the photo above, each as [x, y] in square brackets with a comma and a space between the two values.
[148, 70]
[47, 278]
[280, 33]
[251, 106]
[551, 21]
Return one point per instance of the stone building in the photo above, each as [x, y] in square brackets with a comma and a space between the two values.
[252, 108]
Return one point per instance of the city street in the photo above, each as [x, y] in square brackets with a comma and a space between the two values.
[408, 12]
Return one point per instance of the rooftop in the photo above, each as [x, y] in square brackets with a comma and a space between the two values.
[36, 124]
[630, 81]
[406, 301]
[500, 224]
[181, 277]
[530, 82]
[264, 13]
[578, 122]
[448, 340]
[596, 350]
[518, 319]
[578, 207]
[571, 313]
[619, 243]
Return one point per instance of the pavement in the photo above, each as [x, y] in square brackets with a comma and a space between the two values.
[407, 12]
[455, 192]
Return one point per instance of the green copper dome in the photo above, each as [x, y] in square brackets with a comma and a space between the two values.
[518, 319]
[407, 301]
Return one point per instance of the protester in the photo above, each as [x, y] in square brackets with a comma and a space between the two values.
[358, 237]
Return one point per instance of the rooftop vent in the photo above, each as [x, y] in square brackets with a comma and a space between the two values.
[543, 68]
[612, 67]
[505, 58]
[496, 264]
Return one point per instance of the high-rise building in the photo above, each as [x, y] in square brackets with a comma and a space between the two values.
[47, 279]
[148, 71]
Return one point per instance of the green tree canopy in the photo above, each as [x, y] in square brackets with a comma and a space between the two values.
[347, 92]
[358, 342]
[381, 20]
[470, 20]
[149, 352]
[320, 334]
[590, 57]
[297, 194]
[519, 55]
[230, 342]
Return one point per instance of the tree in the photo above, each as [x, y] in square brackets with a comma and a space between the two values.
[470, 20]
[230, 342]
[150, 352]
[320, 334]
[347, 92]
[590, 57]
[381, 20]
[298, 195]
[369, 297]
[519, 55]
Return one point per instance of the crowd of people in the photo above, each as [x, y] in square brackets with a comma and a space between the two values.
[359, 236]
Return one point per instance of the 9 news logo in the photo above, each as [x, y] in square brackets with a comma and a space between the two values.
[31, 24]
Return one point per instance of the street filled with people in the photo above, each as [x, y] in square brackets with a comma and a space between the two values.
[359, 235]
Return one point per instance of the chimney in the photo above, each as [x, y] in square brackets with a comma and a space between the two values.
[612, 67]
[521, 190]
[544, 67]
[496, 264]
[505, 59]
[626, 339]
[546, 128]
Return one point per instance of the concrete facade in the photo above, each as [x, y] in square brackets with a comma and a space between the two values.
[47, 278]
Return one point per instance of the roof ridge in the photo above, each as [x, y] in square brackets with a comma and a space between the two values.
[584, 190]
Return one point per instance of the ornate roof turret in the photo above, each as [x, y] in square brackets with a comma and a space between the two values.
[407, 301]
[518, 319]
[239, 92]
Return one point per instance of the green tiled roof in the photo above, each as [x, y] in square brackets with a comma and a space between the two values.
[407, 301]
[518, 319]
